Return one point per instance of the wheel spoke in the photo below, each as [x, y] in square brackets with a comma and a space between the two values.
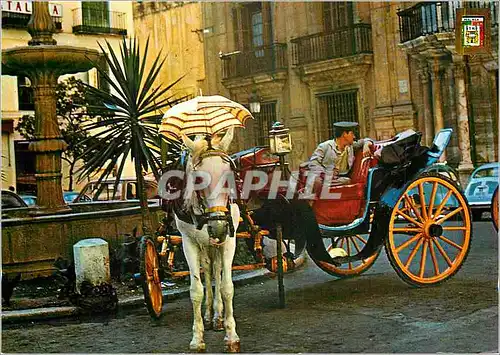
[434, 259]
[451, 214]
[422, 200]
[443, 253]
[433, 197]
[413, 252]
[459, 247]
[455, 228]
[360, 238]
[407, 230]
[408, 242]
[408, 218]
[342, 243]
[441, 205]
[409, 201]
[355, 245]
[423, 260]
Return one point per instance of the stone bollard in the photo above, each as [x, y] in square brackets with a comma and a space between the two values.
[91, 262]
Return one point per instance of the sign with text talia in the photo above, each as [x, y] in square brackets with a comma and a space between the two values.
[473, 31]
[24, 7]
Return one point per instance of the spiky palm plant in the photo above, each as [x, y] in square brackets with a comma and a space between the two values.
[130, 113]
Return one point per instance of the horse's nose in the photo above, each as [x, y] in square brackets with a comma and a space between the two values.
[218, 230]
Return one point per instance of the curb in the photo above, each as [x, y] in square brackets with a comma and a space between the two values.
[134, 301]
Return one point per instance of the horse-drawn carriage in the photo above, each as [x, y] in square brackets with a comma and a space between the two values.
[422, 219]
[390, 199]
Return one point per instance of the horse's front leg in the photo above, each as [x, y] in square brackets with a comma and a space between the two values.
[192, 253]
[218, 321]
[232, 340]
[206, 262]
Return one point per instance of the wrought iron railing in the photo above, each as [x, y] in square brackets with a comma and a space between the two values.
[345, 42]
[260, 60]
[99, 21]
[427, 18]
[17, 20]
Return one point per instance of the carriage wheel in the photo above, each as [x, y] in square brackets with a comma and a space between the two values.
[428, 243]
[352, 245]
[494, 209]
[151, 281]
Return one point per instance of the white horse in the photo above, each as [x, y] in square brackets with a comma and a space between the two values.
[213, 246]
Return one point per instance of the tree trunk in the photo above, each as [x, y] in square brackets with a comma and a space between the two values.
[71, 169]
[147, 225]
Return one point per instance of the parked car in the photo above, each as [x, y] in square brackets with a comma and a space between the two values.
[29, 199]
[480, 189]
[70, 196]
[11, 200]
[125, 191]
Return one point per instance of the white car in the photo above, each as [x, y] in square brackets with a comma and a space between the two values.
[480, 189]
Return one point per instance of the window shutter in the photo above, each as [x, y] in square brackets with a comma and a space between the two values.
[267, 22]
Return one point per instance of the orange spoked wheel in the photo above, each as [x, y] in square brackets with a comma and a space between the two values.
[352, 245]
[151, 281]
[429, 231]
[494, 209]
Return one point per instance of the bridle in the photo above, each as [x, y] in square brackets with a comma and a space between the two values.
[214, 213]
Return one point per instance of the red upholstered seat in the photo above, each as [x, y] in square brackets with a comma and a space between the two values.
[351, 202]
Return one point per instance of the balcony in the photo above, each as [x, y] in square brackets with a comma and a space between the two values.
[267, 59]
[18, 20]
[89, 21]
[324, 46]
[428, 18]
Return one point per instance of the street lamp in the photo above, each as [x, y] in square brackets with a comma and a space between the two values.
[254, 102]
[280, 141]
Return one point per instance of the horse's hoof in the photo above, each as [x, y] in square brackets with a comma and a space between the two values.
[218, 324]
[198, 348]
[207, 324]
[232, 347]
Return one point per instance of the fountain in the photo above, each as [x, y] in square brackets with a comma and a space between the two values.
[32, 238]
[42, 61]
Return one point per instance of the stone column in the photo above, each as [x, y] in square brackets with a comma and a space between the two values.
[427, 114]
[465, 167]
[48, 145]
[437, 99]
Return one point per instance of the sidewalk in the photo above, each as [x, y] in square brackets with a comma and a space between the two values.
[129, 301]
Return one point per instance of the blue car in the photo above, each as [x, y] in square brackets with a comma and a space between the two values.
[480, 189]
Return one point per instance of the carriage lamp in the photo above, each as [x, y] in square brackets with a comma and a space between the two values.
[280, 141]
[254, 102]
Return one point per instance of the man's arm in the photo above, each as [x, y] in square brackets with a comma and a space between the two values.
[366, 144]
[316, 160]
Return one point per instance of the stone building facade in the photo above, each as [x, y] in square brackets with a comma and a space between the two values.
[314, 63]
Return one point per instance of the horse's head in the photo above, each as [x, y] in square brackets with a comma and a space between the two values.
[209, 159]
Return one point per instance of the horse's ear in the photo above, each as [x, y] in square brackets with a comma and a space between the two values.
[226, 141]
[188, 142]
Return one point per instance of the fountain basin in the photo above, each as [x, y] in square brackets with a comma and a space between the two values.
[47, 58]
[31, 244]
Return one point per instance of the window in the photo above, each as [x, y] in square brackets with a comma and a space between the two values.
[25, 94]
[264, 119]
[253, 27]
[488, 172]
[337, 15]
[95, 14]
[257, 33]
[339, 106]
